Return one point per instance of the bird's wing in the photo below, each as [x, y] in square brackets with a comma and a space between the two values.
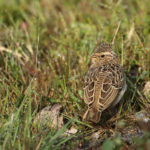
[111, 86]
[89, 85]
[102, 86]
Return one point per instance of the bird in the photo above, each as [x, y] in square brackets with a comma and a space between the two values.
[105, 82]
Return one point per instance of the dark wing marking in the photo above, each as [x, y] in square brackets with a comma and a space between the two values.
[102, 85]
[89, 85]
[112, 85]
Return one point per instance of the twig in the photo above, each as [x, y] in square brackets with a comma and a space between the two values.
[16, 54]
[39, 144]
[139, 39]
[116, 32]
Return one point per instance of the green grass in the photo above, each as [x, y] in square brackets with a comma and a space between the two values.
[44, 53]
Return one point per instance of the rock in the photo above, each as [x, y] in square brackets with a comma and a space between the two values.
[142, 116]
[146, 89]
[71, 131]
[49, 117]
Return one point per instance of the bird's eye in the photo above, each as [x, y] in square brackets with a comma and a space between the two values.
[102, 56]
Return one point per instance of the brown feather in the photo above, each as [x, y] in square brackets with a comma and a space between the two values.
[103, 82]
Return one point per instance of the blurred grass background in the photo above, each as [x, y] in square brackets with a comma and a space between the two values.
[44, 54]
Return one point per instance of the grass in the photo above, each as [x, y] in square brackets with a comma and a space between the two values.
[44, 54]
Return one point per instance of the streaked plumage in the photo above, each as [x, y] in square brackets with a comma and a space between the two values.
[104, 82]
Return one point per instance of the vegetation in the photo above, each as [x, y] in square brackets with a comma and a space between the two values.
[44, 53]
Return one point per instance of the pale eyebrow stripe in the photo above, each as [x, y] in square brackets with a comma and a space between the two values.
[106, 53]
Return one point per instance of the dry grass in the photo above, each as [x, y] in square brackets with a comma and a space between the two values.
[44, 53]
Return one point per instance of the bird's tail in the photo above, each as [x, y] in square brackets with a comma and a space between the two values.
[92, 115]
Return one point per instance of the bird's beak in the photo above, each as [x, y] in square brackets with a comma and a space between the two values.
[93, 56]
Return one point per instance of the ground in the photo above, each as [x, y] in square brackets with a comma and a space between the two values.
[45, 47]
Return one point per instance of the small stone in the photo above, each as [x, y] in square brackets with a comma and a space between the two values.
[146, 89]
[142, 116]
[49, 117]
[71, 131]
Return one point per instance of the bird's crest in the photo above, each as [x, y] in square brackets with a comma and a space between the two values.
[103, 48]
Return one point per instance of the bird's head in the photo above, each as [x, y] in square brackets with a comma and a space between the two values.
[102, 54]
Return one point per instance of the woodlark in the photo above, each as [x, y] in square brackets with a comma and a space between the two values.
[105, 82]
